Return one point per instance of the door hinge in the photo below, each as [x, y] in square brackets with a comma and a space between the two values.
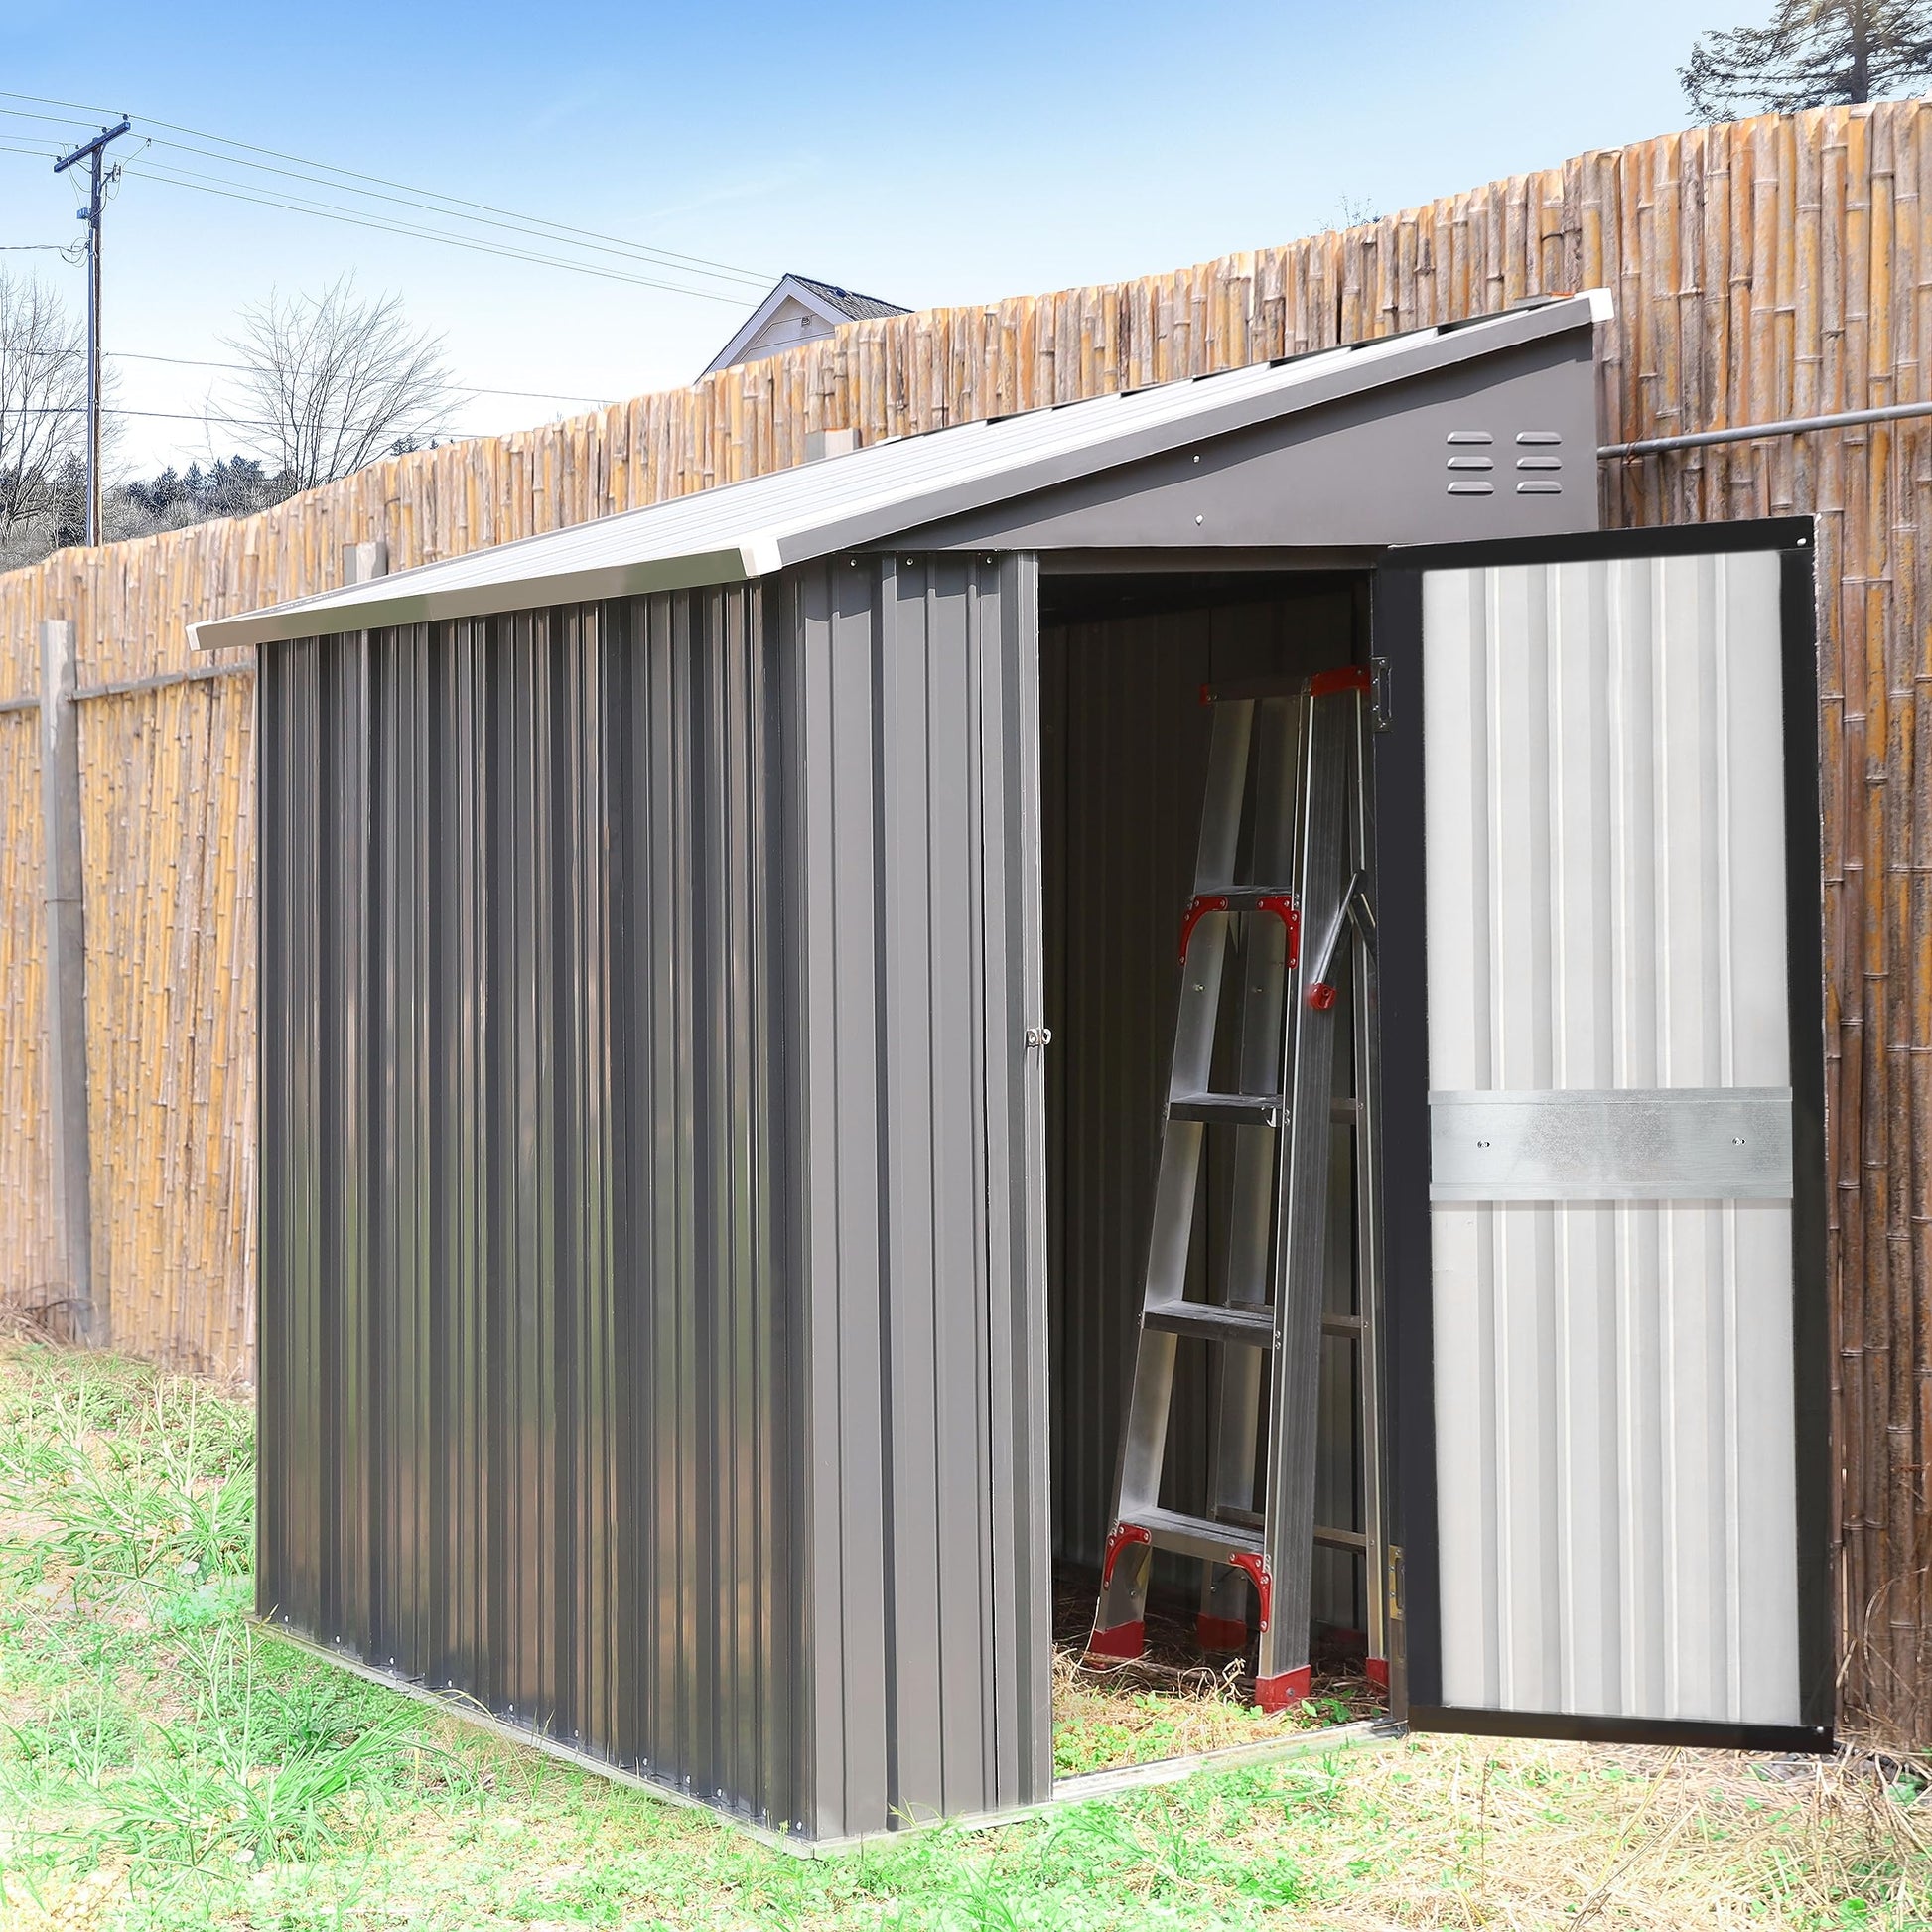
[1381, 715]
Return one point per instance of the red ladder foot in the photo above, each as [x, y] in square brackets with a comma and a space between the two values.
[1289, 1686]
[1221, 1632]
[1122, 1644]
[1377, 1670]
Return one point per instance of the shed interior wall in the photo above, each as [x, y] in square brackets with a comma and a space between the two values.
[1124, 736]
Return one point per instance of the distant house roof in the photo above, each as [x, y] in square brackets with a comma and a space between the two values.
[798, 310]
[855, 307]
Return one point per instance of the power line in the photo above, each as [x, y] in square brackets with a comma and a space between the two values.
[202, 363]
[452, 203]
[206, 185]
[356, 221]
[532, 226]
[162, 416]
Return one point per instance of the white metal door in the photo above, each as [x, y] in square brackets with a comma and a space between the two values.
[1604, 1171]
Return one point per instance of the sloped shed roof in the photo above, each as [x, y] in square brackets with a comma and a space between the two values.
[742, 530]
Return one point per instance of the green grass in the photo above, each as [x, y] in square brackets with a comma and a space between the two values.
[165, 1765]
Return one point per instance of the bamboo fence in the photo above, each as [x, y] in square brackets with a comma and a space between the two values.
[1763, 270]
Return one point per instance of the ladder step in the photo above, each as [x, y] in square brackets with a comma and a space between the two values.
[1195, 1536]
[1235, 690]
[1339, 1539]
[1242, 899]
[1252, 1323]
[1342, 1324]
[1229, 1109]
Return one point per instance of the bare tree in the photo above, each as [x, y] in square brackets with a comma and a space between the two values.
[42, 408]
[332, 382]
[1813, 53]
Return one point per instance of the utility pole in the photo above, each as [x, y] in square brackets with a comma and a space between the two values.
[92, 151]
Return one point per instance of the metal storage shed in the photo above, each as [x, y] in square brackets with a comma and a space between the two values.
[692, 1313]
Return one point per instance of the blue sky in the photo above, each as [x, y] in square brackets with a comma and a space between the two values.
[926, 155]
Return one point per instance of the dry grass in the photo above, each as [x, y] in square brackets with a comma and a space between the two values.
[1174, 1702]
[165, 1768]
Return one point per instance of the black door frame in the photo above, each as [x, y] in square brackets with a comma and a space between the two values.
[1400, 905]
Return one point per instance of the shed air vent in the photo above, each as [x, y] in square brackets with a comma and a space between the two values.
[1465, 446]
[1537, 466]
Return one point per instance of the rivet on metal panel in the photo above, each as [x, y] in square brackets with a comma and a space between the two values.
[1200, 520]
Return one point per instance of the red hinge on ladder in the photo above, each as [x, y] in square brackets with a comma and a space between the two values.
[1125, 1640]
[1282, 905]
[1344, 677]
[1278, 1692]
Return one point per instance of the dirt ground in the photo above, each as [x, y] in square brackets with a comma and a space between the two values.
[1174, 1700]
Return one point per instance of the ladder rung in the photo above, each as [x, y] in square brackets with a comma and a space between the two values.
[1195, 1536]
[1247, 1519]
[1344, 1113]
[1213, 1321]
[1229, 1109]
[1341, 1539]
[1243, 898]
[1342, 1324]
[1235, 690]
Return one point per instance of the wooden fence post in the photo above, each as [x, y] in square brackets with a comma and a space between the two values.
[65, 985]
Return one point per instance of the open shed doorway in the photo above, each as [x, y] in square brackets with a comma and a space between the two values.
[1124, 739]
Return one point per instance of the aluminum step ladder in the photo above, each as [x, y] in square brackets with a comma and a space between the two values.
[1299, 749]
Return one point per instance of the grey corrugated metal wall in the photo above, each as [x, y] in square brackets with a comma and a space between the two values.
[531, 1370]
[1124, 761]
[914, 705]
[653, 1334]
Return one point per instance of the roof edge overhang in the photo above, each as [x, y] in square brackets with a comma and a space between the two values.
[853, 518]
[755, 557]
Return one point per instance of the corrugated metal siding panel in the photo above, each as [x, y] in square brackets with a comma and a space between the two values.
[929, 1597]
[1126, 757]
[1606, 910]
[529, 1382]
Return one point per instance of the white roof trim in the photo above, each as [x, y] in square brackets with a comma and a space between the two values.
[737, 531]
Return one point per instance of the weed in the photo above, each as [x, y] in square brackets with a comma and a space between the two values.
[165, 1765]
